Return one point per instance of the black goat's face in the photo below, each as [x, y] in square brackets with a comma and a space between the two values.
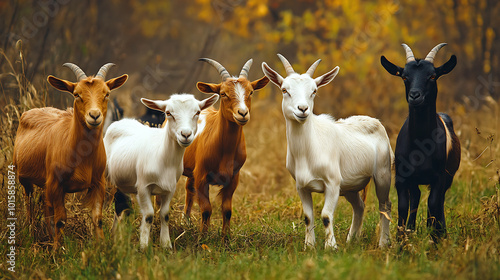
[420, 78]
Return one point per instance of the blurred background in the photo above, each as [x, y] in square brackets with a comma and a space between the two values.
[158, 44]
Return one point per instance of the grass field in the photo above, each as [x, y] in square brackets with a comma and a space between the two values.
[267, 226]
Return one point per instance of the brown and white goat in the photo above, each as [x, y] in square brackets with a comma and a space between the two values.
[218, 151]
[63, 151]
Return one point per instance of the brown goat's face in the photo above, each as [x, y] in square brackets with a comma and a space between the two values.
[235, 95]
[91, 97]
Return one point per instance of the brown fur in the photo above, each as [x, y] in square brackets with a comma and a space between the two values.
[62, 151]
[217, 154]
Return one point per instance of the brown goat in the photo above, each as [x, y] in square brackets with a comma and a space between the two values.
[63, 151]
[218, 151]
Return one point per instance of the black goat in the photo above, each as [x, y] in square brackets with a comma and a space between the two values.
[152, 118]
[115, 113]
[427, 148]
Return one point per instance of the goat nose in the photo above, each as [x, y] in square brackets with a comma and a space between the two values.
[303, 108]
[186, 134]
[243, 113]
[414, 94]
[95, 114]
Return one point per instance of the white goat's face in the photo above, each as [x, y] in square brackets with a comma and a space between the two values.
[298, 97]
[298, 90]
[182, 112]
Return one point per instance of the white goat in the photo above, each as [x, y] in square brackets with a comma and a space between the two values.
[334, 157]
[149, 161]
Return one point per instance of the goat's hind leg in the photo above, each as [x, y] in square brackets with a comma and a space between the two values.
[382, 182]
[358, 209]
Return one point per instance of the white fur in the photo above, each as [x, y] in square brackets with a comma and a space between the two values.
[328, 156]
[148, 161]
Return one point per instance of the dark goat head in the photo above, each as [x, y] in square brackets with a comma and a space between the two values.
[420, 75]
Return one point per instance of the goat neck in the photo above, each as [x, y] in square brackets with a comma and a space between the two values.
[170, 150]
[422, 121]
[230, 133]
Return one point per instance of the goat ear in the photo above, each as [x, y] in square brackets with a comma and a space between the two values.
[60, 84]
[117, 82]
[390, 67]
[447, 67]
[208, 88]
[205, 103]
[260, 83]
[272, 75]
[154, 104]
[326, 78]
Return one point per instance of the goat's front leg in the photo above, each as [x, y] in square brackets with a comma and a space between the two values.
[435, 214]
[403, 205]
[96, 195]
[202, 188]
[147, 210]
[332, 192]
[190, 194]
[54, 196]
[164, 210]
[227, 198]
[307, 207]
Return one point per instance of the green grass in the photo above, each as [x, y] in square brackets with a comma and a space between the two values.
[268, 244]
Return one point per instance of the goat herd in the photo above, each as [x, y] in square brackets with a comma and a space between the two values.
[65, 151]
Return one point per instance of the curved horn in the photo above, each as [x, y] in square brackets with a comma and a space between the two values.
[311, 69]
[246, 68]
[288, 66]
[433, 52]
[80, 75]
[222, 71]
[104, 69]
[409, 54]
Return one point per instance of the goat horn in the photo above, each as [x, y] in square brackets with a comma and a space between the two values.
[409, 54]
[288, 66]
[80, 75]
[222, 71]
[104, 69]
[311, 69]
[433, 52]
[246, 68]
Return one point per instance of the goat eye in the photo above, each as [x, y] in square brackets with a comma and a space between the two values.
[314, 92]
[107, 96]
[251, 92]
[284, 91]
[404, 78]
[76, 95]
[222, 94]
[168, 113]
[433, 76]
[198, 113]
